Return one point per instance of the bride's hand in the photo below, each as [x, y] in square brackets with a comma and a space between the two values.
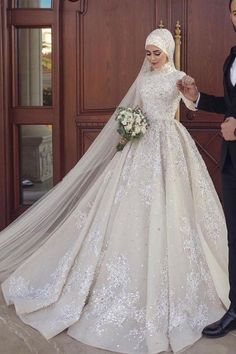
[188, 88]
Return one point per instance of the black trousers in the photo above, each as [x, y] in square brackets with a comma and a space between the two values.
[229, 200]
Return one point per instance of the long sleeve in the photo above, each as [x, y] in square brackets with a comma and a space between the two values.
[212, 103]
[231, 110]
[189, 104]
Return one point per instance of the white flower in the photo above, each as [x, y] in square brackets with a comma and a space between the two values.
[143, 130]
[137, 130]
[124, 121]
[119, 117]
[129, 116]
[137, 118]
[133, 134]
[130, 120]
[122, 114]
[128, 127]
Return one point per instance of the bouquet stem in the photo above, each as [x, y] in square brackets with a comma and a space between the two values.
[120, 146]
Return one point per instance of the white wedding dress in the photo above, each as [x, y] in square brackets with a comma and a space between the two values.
[140, 264]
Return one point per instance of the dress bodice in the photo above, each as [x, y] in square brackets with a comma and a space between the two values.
[159, 94]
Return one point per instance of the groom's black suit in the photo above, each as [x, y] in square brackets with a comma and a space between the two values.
[227, 105]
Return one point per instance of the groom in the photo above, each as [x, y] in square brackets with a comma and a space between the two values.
[227, 106]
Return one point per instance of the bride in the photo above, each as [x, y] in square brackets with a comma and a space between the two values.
[128, 251]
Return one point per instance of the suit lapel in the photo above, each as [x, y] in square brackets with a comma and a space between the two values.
[230, 90]
[229, 60]
[227, 63]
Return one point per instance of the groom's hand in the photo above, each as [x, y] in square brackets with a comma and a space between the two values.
[228, 129]
[188, 88]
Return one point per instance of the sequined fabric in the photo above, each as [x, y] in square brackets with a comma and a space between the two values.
[140, 264]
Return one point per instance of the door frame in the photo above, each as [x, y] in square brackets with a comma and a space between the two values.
[11, 115]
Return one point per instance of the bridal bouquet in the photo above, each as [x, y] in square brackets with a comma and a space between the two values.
[132, 124]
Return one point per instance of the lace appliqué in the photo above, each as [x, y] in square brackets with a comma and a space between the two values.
[114, 302]
[21, 288]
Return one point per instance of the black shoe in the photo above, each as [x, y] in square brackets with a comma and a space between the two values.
[220, 328]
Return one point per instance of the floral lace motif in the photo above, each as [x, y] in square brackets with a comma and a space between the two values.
[20, 287]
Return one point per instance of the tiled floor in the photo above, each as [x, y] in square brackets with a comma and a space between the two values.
[16, 338]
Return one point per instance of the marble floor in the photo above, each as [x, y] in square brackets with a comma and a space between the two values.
[17, 338]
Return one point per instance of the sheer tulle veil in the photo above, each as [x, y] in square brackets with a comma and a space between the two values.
[25, 235]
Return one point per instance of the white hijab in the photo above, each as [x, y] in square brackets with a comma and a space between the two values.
[163, 39]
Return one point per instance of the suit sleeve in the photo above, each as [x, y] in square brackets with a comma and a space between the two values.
[212, 103]
[231, 110]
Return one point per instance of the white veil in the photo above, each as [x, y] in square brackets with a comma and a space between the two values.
[26, 234]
